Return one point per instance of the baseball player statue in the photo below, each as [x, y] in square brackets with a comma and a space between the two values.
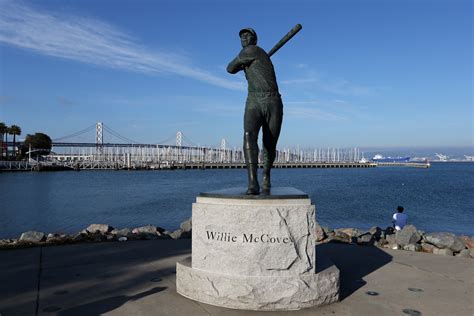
[263, 108]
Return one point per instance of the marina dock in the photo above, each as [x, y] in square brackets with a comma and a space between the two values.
[117, 165]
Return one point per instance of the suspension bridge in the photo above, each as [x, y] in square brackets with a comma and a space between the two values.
[111, 150]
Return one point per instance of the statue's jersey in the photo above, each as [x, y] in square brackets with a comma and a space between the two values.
[258, 69]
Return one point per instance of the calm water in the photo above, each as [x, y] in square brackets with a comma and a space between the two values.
[440, 198]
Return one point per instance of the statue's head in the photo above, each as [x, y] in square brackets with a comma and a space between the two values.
[248, 37]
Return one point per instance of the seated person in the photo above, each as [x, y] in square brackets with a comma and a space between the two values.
[399, 219]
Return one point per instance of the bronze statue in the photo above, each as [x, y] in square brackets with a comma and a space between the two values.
[263, 109]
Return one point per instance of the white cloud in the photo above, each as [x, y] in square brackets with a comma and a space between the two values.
[344, 87]
[299, 81]
[92, 41]
[326, 110]
[312, 113]
[309, 78]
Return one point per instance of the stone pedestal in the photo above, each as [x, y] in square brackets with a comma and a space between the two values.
[255, 252]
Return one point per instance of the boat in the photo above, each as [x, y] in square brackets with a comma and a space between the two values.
[380, 158]
[442, 157]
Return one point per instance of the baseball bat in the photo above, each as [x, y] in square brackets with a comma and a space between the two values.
[285, 39]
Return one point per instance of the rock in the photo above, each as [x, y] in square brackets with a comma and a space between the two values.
[351, 232]
[65, 239]
[123, 238]
[366, 239]
[445, 240]
[147, 236]
[412, 247]
[425, 247]
[52, 237]
[98, 237]
[381, 243]
[186, 226]
[340, 236]
[79, 237]
[319, 232]
[6, 242]
[148, 232]
[185, 230]
[102, 228]
[93, 237]
[176, 234]
[391, 241]
[468, 241]
[32, 236]
[408, 235]
[389, 230]
[148, 229]
[166, 235]
[376, 232]
[443, 252]
[124, 232]
[465, 253]
[57, 239]
[471, 252]
[180, 234]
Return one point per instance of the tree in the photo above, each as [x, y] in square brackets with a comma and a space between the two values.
[7, 130]
[15, 131]
[39, 141]
[3, 130]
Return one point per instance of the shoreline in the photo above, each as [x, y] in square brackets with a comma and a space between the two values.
[408, 239]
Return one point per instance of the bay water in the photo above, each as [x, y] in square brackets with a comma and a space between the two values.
[440, 198]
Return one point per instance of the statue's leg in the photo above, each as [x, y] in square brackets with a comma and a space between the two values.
[252, 123]
[271, 132]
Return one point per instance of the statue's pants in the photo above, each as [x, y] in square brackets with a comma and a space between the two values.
[262, 110]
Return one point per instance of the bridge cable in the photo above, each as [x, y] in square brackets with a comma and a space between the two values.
[85, 130]
[116, 134]
[189, 141]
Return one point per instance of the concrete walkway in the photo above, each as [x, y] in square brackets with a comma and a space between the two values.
[138, 278]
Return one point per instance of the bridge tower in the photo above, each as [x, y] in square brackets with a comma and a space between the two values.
[99, 139]
[179, 143]
[179, 139]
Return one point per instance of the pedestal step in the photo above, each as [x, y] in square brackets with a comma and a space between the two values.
[270, 293]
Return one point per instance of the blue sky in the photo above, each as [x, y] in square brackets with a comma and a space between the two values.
[360, 73]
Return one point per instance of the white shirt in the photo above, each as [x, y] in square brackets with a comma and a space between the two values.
[400, 220]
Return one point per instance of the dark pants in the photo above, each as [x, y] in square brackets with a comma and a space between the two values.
[262, 110]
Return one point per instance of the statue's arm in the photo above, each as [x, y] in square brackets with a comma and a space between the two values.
[245, 57]
[235, 66]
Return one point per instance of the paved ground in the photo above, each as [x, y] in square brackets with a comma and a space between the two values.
[138, 278]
